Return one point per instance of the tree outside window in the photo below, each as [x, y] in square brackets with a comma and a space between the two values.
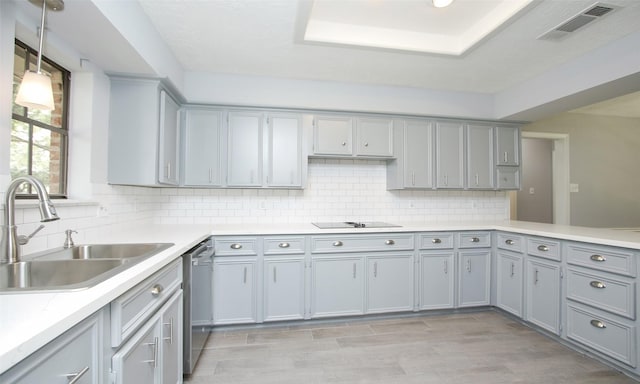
[39, 138]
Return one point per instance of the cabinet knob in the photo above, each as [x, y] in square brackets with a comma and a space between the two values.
[598, 284]
[344, 143]
[156, 290]
[509, 242]
[283, 245]
[236, 246]
[543, 248]
[598, 258]
[598, 324]
[337, 243]
[436, 241]
[366, 144]
[474, 240]
[389, 242]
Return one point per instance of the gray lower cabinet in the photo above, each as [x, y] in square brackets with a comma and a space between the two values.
[510, 281]
[284, 288]
[437, 277]
[390, 283]
[75, 355]
[337, 286]
[234, 290]
[543, 294]
[474, 274]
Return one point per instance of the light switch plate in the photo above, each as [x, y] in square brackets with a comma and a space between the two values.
[573, 188]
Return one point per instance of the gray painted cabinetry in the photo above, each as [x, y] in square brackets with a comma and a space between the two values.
[143, 133]
[437, 270]
[352, 136]
[542, 282]
[284, 278]
[480, 164]
[413, 147]
[509, 273]
[202, 152]
[474, 270]
[449, 148]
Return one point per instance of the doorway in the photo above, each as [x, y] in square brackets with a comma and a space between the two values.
[544, 196]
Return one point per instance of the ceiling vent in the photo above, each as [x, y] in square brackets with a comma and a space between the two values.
[591, 14]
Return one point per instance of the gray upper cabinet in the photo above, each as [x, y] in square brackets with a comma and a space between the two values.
[332, 135]
[202, 147]
[143, 133]
[449, 155]
[480, 165]
[374, 137]
[285, 151]
[413, 146]
[347, 136]
[508, 145]
[244, 158]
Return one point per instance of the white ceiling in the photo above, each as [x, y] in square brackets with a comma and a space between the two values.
[266, 38]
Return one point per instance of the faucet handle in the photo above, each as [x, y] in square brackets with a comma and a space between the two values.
[68, 243]
[22, 239]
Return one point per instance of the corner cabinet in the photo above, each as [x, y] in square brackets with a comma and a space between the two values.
[144, 139]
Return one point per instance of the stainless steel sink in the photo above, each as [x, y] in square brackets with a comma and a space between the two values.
[79, 267]
[106, 251]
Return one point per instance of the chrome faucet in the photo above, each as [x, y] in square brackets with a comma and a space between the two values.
[10, 240]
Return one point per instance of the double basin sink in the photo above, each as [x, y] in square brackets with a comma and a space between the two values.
[78, 267]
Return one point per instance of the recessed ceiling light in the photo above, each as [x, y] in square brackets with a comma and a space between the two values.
[442, 3]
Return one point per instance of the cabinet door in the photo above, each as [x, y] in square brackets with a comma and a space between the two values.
[284, 289]
[436, 280]
[510, 282]
[480, 164]
[202, 147]
[418, 155]
[337, 286]
[138, 360]
[449, 155]
[244, 157]
[74, 355]
[234, 291]
[172, 340]
[390, 283]
[474, 278]
[507, 145]
[169, 140]
[332, 135]
[284, 151]
[543, 294]
[375, 137]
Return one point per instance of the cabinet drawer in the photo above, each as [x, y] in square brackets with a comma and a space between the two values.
[614, 260]
[511, 242]
[603, 292]
[283, 245]
[131, 310]
[474, 239]
[361, 243]
[613, 338]
[547, 248]
[236, 246]
[436, 240]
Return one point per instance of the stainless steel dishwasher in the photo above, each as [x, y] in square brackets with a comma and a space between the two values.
[198, 304]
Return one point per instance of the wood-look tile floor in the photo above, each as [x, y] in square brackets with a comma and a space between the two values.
[481, 347]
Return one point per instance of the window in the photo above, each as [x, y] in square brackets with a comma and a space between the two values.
[39, 139]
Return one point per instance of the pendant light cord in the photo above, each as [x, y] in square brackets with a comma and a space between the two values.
[44, 11]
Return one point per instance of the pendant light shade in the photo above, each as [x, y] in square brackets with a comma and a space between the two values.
[35, 91]
[442, 3]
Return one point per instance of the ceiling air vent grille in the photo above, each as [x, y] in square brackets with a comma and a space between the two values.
[585, 17]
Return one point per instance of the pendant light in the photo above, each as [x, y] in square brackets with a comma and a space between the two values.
[35, 90]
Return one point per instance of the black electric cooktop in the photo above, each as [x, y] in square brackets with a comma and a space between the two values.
[354, 224]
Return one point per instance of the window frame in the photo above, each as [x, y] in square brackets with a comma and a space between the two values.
[63, 131]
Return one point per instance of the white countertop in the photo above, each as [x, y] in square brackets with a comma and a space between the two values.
[30, 320]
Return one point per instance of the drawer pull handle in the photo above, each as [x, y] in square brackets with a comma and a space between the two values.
[474, 240]
[236, 246]
[543, 248]
[389, 242]
[598, 284]
[75, 377]
[509, 242]
[598, 324]
[154, 349]
[337, 243]
[170, 325]
[598, 258]
[436, 241]
[283, 245]
[156, 290]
